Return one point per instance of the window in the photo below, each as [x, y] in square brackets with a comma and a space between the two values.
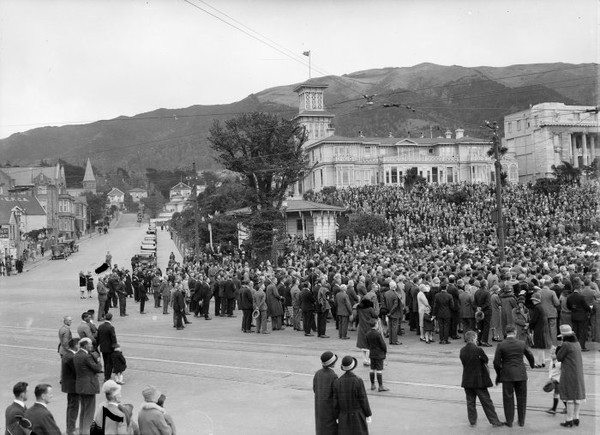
[321, 177]
[299, 225]
[368, 151]
[509, 128]
[394, 175]
[387, 176]
[430, 150]
[519, 125]
[449, 174]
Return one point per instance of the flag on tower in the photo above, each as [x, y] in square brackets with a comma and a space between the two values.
[306, 53]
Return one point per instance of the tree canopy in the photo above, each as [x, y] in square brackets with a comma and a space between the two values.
[267, 152]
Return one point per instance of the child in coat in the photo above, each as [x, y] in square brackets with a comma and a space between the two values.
[377, 354]
[428, 326]
[119, 364]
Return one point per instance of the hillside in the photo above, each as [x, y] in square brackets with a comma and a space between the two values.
[439, 97]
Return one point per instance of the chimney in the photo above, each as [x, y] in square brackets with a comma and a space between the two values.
[459, 133]
[390, 135]
[360, 133]
[448, 134]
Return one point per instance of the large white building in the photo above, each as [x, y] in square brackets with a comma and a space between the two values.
[356, 161]
[549, 134]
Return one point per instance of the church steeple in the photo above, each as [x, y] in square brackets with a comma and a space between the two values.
[312, 113]
[89, 180]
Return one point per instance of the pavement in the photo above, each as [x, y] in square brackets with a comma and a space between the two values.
[220, 381]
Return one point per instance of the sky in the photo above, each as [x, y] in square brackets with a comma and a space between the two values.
[78, 61]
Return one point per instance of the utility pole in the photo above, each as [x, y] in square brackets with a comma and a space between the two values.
[493, 126]
[196, 211]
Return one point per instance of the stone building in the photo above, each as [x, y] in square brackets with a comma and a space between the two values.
[357, 161]
[549, 134]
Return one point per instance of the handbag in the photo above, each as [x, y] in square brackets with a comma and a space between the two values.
[548, 386]
[95, 429]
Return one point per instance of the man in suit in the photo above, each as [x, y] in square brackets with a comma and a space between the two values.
[85, 330]
[325, 417]
[550, 304]
[393, 301]
[41, 418]
[68, 378]
[16, 409]
[476, 380]
[443, 305]
[107, 340]
[246, 307]
[307, 305]
[87, 367]
[483, 302]
[344, 309]
[64, 335]
[580, 312]
[511, 371]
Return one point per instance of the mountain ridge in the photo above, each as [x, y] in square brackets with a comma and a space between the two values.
[430, 97]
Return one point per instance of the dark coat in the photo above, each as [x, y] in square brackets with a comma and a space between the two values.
[475, 375]
[246, 298]
[443, 305]
[324, 412]
[393, 304]
[178, 301]
[342, 303]
[228, 289]
[376, 344]
[483, 300]
[307, 300]
[119, 362]
[579, 308]
[107, 339]
[274, 301]
[13, 411]
[572, 384]
[351, 404]
[365, 312]
[68, 375]
[508, 360]
[42, 420]
[538, 323]
[86, 369]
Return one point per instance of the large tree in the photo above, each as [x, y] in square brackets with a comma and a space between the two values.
[266, 151]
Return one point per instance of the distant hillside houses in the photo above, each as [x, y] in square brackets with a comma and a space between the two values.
[341, 162]
[116, 197]
[137, 194]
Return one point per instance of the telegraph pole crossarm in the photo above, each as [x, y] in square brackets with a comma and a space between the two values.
[493, 126]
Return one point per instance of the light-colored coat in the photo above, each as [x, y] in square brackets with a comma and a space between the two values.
[154, 420]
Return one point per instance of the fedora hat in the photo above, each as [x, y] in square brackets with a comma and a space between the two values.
[348, 363]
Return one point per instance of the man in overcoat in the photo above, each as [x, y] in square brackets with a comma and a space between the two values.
[476, 380]
[68, 378]
[107, 340]
[511, 371]
[307, 305]
[325, 417]
[344, 309]
[41, 418]
[443, 305]
[87, 386]
[394, 303]
[246, 307]
[350, 401]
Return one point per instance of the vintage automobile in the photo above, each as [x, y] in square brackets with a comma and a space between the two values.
[64, 249]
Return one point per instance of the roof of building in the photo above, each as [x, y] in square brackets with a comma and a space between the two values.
[310, 85]
[81, 199]
[399, 141]
[115, 192]
[315, 113]
[25, 176]
[181, 185]
[89, 172]
[137, 189]
[294, 205]
[30, 204]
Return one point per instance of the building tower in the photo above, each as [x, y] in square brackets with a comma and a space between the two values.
[89, 180]
[312, 113]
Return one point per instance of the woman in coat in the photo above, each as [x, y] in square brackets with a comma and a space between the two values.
[509, 302]
[520, 316]
[350, 401]
[366, 312]
[572, 385]
[495, 322]
[538, 323]
[114, 417]
[423, 305]
[274, 305]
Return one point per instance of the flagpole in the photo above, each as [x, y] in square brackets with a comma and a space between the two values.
[307, 53]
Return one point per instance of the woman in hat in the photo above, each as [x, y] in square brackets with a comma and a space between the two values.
[572, 384]
[152, 418]
[325, 417]
[366, 314]
[350, 401]
[520, 315]
[539, 325]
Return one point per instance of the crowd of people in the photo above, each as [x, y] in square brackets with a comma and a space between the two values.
[434, 271]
